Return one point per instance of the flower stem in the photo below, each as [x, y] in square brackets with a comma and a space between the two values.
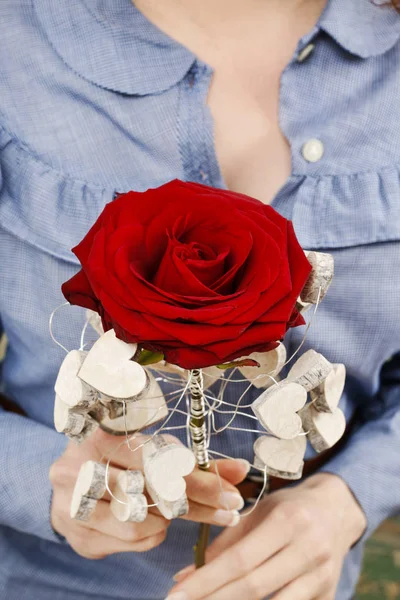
[198, 434]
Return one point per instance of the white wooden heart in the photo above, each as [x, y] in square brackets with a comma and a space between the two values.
[131, 482]
[69, 387]
[323, 429]
[89, 428]
[326, 396]
[310, 370]
[320, 277]
[271, 363]
[66, 420]
[277, 408]
[109, 369]
[129, 503]
[149, 409]
[282, 458]
[165, 466]
[169, 510]
[89, 488]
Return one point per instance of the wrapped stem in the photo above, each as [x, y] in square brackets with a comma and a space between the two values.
[198, 432]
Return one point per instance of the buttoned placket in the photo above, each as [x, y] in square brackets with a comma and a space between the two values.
[197, 144]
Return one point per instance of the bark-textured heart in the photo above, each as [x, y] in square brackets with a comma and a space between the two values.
[165, 466]
[271, 364]
[326, 396]
[109, 369]
[282, 458]
[277, 409]
[324, 429]
[150, 408]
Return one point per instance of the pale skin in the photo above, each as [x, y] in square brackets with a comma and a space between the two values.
[294, 543]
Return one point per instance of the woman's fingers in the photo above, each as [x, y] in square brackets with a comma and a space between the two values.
[103, 521]
[239, 559]
[233, 471]
[280, 570]
[209, 489]
[95, 545]
[205, 514]
[311, 586]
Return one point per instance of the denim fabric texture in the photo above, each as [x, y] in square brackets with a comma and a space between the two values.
[97, 100]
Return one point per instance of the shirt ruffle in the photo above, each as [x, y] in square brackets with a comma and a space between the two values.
[53, 211]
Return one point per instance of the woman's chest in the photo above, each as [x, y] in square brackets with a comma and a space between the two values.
[252, 152]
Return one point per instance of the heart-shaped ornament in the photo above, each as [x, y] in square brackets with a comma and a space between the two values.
[326, 396]
[165, 466]
[139, 414]
[129, 503]
[108, 368]
[323, 429]
[66, 420]
[89, 488]
[169, 510]
[282, 458]
[69, 387]
[310, 370]
[271, 364]
[277, 408]
[320, 277]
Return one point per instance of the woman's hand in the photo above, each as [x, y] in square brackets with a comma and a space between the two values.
[292, 546]
[103, 534]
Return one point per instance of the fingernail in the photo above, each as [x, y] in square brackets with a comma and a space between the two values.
[178, 596]
[231, 501]
[183, 573]
[244, 462]
[226, 518]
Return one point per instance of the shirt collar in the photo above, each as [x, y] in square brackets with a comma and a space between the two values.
[111, 44]
[362, 27]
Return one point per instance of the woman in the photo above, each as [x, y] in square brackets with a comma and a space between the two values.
[294, 103]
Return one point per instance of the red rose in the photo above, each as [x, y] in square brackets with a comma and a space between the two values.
[201, 274]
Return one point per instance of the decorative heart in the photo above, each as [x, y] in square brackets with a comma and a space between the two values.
[277, 408]
[283, 458]
[165, 466]
[66, 420]
[139, 414]
[69, 387]
[271, 363]
[326, 396]
[90, 486]
[108, 368]
[169, 510]
[310, 370]
[320, 277]
[129, 503]
[324, 429]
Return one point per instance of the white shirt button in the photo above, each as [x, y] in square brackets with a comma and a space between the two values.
[305, 53]
[313, 150]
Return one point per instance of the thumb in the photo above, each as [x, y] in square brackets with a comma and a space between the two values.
[232, 470]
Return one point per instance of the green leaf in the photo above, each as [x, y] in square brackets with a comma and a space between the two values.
[147, 357]
[245, 362]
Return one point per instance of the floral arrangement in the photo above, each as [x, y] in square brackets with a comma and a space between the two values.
[193, 280]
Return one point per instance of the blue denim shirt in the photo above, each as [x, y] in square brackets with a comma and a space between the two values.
[96, 100]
